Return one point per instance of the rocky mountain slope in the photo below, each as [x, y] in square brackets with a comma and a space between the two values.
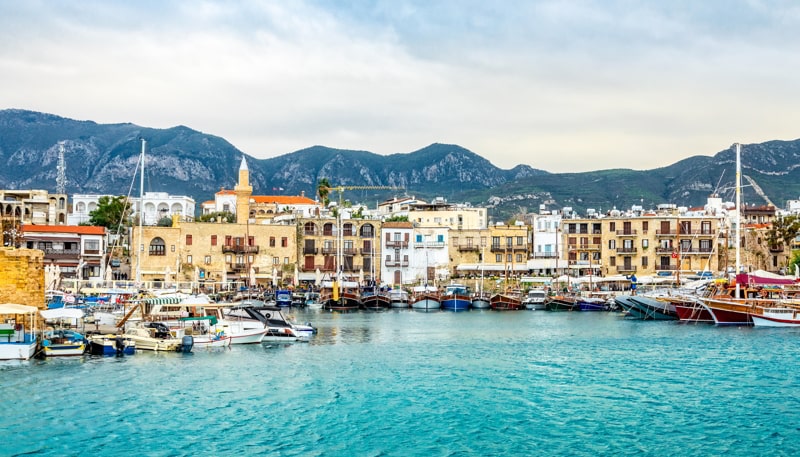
[103, 159]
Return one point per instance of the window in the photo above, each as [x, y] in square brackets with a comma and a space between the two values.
[157, 247]
[286, 261]
[272, 241]
[612, 261]
[440, 238]
[612, 226]
[92, 245]
[509, 258]
[644, 226]
[189, 259]
[188, 240]
[519, 241]
[519, 258]
[496, 241]
[645, 243]
[644, 261]
[207, 260]
[284, 242]
[276, 260]
[251, 241]
[250, 259]
[509, 241]
[213, 240]
[419, 238]
[498, 258]
[228, 239]
[227, 258]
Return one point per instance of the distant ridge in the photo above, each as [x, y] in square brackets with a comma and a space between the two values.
[101, 159]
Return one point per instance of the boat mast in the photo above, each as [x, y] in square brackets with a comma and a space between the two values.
[141, 218]
[738, 213]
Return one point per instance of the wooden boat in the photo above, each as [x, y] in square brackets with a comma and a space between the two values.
[340, 298]
[373, 299]
[508, 301]
[456, 298]
[63, 343]
[781, 316]
[562, 303]
[690, 309]
[425, 298]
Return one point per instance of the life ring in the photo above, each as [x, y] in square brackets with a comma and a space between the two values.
[18, 327]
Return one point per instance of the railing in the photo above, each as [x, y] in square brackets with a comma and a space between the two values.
[628, 232]
[91, 251]
[328, 250]
[626, 250]
[239, 249]
[545, 255]
[670, 232]
[665, 267]
[429, 244]
[308, 250]
[62, 253]
[397, 244]
[239, 267]
[583, 247]
[313, 232]
[367, 252]
[468, 247]
[396, 263]
[626, 269]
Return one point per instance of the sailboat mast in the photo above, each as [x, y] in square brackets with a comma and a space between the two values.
[141, 218]
[738, 212]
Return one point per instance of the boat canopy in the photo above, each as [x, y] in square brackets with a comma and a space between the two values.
[13, 308]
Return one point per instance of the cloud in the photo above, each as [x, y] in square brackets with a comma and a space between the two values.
[562, 86]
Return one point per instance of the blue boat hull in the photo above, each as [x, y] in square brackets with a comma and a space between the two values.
[456, 304]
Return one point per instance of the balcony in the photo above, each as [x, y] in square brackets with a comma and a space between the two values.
[666, 267]
[397, 244]
[310, 250]
[396, 263]
[664, 250]
[670, 232]
[468, 247]
[62, 253]
[626, 269]
[367, 252]
[238, 267]
[430, 244]
[626, 233]
[328, 250]
[627, 250]
[505, 248]
[545, 255]
[239, 249]
[583, 247]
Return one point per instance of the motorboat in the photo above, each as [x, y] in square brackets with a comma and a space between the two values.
[156, 336]
[278, 327]
[111, 345]
[63, 342]
[481, 300]
[18, 340]
[425, 298]
[535, 299]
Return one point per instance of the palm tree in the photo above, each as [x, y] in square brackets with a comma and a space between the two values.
[323, 189]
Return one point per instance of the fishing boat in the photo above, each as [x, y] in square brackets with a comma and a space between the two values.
[779, 316]
[340, 296]
[374, 299]
[506, 301]
[535, 299]
[111, 345]
[18, 339]
[398, 298]
[456, 298]
[62, 342]
[592, 304]
[481, 300]
[562, 303]
[425, 298]
[283, 297]
[691, 309]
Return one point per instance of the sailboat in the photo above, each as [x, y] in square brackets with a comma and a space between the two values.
[480, 299]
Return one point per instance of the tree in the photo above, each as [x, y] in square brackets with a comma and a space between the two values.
[396, 219]
[323, 189]
[218, 216]
[783, 231]
[165, 222]
[112, 213]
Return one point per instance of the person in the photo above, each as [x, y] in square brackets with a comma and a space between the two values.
[633, 284]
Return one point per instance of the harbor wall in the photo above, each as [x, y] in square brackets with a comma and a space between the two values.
[22, 277]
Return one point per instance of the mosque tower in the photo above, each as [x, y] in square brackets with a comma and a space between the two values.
[243, 191]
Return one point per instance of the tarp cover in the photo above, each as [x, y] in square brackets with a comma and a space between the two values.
[61, 313]
[761, 277]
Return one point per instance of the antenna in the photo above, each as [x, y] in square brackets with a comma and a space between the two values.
[61, 171]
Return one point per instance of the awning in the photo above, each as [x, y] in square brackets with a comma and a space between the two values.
[490, 267]
[163, 300]
[13, 308]
[61, 313]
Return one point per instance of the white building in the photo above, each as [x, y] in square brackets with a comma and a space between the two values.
[430, 260]
[545, 257]
[157, 205]
[397, 253]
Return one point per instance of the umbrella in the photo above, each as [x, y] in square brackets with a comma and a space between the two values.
[296, 279]
[109, 274]
[224, 277]
[167, 276]
[360, 275]
[318, 277]
[274, 276]
[252, 276]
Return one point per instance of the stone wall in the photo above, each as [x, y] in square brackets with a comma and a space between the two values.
[22, 277]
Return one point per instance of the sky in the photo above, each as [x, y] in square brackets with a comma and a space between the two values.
[563, 86]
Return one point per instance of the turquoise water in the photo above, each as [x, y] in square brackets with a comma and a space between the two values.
[414, 384]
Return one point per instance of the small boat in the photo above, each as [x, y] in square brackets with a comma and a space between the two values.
[111, 345]
[508, 301]
[592, 304]
[647, 308]
[283, 297]
[342, 296]
[456, 298]
[63, 343]
[155, 336]
[562, 303]
[278, 327]
[425, 298]
[535, 299]
[782, 316]
[374, 299]
[398, 298]
[200, 329]
[481, 300]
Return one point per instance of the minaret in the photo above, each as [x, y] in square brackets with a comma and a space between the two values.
[243, 191]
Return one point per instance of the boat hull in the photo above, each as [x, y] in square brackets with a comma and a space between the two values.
[17, 350]
[456, 303]
[770, 321]
[426, 304]
[502, 302]
[481, 303]
[107, 345]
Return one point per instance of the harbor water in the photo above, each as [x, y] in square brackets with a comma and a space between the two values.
[404, 383]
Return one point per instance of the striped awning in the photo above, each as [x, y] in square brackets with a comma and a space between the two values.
[163, 300]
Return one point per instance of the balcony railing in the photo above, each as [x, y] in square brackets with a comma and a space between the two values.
[629, 250]
[239, 249]
[583, 247]
[665, 267]
[430, 244]
[62, 253]
[628, 232]
[396, 263]
[328, 250]
[310, 250]
[239, 267]
[468, 247]
[397, 244]
[622, 269]
[545, 255]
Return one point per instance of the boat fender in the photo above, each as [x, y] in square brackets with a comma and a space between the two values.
[46, 343]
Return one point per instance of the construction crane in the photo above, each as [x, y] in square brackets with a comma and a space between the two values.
[341, 189]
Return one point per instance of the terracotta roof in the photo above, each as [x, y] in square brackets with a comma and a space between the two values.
[398, 224]
[283, 199]
[77, 229]
[225, 192]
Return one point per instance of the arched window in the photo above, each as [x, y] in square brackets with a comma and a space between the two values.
[309, 228]
[367, 231]
[157, 247]
[347, 229]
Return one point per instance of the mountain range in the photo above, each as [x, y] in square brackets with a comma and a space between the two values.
[102, 158]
